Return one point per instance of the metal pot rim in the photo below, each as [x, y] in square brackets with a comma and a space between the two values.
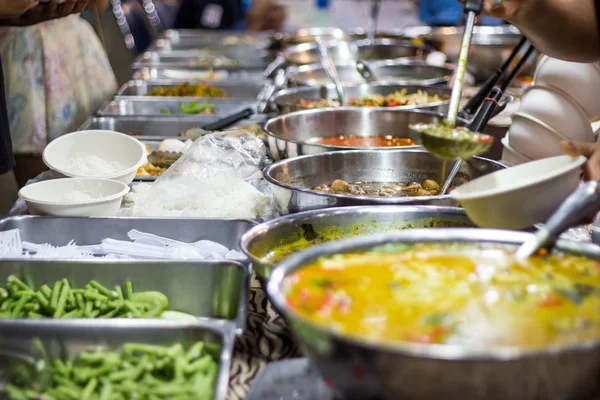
[301, 89]
[429, 351]
[258, 230]
[345, 109]
[374, 200]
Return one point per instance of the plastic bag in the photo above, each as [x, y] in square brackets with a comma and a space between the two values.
[216, 178]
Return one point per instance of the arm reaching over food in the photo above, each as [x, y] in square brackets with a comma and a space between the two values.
[564, 29]
[589, 150]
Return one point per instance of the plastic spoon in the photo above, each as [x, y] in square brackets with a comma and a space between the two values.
[579, 206]
[330, 69]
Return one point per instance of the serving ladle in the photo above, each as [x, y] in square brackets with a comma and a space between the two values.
[330, 69]
[365, 71]
[583, 203]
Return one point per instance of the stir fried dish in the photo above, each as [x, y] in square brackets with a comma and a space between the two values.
[193, 108]
[397, 99]
[451, 293]
[188, 89]
[427, 188]
[363, 141]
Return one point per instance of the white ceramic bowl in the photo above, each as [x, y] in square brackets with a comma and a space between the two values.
[580, 80]
[557, 109]
[107, 145]
[59, 197]
[533, 137]
[521, 196]
[510, 156]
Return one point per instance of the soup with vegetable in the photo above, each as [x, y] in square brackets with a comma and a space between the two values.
[451, 294]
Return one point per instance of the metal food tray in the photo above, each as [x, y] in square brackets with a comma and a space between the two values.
[157, 128]
[66, 339]
[201, 59]
[197, 38]
[182, 74]
[233, 89]
[154, 106]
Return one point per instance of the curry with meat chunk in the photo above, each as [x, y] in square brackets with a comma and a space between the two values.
[451, 293]
[428, 187]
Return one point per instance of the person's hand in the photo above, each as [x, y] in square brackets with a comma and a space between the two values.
[265, 15]
[50, 10]
[589, 150]
[16, 8]
[502, 9]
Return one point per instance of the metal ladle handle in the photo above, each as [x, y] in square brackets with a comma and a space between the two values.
[577, 208]
[373, 17]
[330, 69]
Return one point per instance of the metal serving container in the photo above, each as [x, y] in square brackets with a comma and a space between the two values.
[343, 52]
[395, 71]
[206, 289]
[186, 39]
[19, 344]
[430, 372]
[158, 107]
[337, 223]
[183, 74]
[286, 101]
[158, 128]
[490, 46]
[233, 89]
[308, 35]
[223, 59]
[290, 135]
[292, 180]
[58, 231]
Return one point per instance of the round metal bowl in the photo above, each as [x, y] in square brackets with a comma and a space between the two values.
[490, 46]
[292, 180]
[394, 71]
[365, 370]
[345, 52]
[289, 135]
[287, 100]
[308, 35]
[338, 223]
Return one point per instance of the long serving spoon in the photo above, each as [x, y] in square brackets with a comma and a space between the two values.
[577, 208]
[373, 17]
[330, 69]
[486, 112]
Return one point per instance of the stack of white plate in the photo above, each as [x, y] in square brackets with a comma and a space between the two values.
[561, 104]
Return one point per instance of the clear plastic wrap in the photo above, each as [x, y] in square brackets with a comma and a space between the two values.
[218, 177]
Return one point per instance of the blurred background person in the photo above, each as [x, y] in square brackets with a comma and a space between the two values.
[56, 75]
[253, 15]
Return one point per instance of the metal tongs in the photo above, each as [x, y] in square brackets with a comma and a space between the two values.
[475, 102]
[576, 209]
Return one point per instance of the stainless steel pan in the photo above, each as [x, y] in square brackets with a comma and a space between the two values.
[432, 372]
[286, 101]
[293, 180]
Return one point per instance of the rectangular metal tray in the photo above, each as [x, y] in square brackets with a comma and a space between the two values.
[182, 74]
[66, 339]
[226, 59]
[209, 290]
[153, 107]
[233, 89]
[156, 128]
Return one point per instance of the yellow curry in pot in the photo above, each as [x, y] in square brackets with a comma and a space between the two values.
[463, 294]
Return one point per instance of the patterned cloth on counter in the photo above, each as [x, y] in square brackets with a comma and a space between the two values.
[266, 338]
[57, 74]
